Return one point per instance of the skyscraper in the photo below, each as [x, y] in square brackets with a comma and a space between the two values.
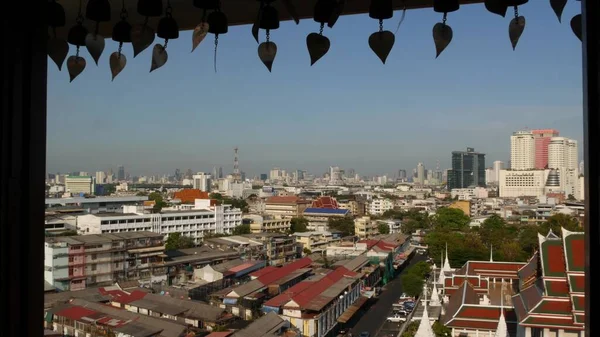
[563, 157]
[498, 165]
[468, 169]
[420, 174]
[542, 140]
[401, 174]
[121, 173]
[522, 151]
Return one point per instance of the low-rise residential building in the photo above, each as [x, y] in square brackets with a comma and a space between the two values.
[314, 306]
[355, 204]
[286, 206]
[77, 262]
[203, 219]
[318, 218]
[469, 193]
[364, 227]
[378, 206]
[395, 226]
[56, 223]
[81, 317]
[197, 314]
[316, 241]
[267, 223]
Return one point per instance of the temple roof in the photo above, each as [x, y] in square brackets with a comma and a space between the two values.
[552, 283]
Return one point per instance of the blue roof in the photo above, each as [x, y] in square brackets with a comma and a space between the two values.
[326, 211]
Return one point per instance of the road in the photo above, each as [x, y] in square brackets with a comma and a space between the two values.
[374, 319]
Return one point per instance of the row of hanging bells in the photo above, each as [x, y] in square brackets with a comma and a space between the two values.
[141, 36]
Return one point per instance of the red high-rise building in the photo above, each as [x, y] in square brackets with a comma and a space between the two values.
[542, 139]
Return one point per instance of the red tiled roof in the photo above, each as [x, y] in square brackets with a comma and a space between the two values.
[502, 269]
[125, 298]
[190, 195]
[325, 202]
[263, 271]
[287, 295]
[370, 243]
[75, 312]
[269, 278]
[306, 296]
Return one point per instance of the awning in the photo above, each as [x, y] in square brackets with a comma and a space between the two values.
[345, 317]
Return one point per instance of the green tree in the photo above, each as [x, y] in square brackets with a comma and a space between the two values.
[556, 221]
[511, 251]
[421, 268]
[494, 231]
[158, 201]
[451, 218]
[440, 330]
[528, 239]
[298, 225]
[141, 194]
[236, 203]
[306, 251]
[241, 229]
[177, 241]
[571, 197]
[383, 228]
[344, 225]
[412, 284]
[216, 196]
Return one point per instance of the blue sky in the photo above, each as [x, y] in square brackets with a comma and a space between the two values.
[347, 110]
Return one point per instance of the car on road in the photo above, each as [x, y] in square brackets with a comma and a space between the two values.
[404, 297]
[364, 334]
[399, 312]
[396, 319]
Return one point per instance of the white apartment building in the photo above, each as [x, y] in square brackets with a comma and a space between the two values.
[202, 181]
[530, 183]
[563, 157]
[194, 222]
[522, 150]
[379, 206]
[77, 262]
[469, 193]
[79, 184]
[498, 166]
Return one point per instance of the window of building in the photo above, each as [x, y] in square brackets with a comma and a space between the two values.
[94, 256]
[94, 267]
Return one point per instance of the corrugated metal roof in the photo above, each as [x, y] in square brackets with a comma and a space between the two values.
[326, 211]
[263, 271]
[282, 271]
[267, 324]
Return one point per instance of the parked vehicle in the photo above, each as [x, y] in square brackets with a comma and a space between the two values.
[396, 319]
[400, 312]
[364, 334]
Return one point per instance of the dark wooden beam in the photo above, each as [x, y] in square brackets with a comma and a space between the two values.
[239, 12]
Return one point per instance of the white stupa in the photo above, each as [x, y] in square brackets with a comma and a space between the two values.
[446, 266]
[441, 277]
[425, 329]
[434, 300]
[502, 330]
[491, 253]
